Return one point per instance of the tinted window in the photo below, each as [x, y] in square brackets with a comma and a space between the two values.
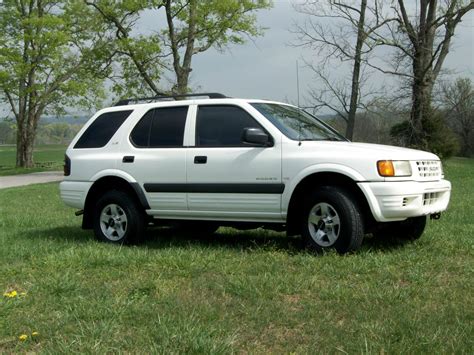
[102, 129]
[141, 133]
[218, 126]
[167, 129]
[162, 127]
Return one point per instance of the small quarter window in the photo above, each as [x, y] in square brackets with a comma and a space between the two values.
[141, 133]
[221, 126]
[99, 133]
[160, 128]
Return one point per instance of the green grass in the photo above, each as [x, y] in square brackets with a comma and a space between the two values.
[252, 292]
[41, 154]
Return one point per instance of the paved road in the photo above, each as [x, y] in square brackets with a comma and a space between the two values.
[28, 179]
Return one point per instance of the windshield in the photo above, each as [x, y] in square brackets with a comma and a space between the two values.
[297, 124]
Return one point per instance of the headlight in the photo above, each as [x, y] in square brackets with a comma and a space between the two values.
[394, 168]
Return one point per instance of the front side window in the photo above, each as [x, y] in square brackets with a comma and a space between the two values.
[297, 124]
[99, 133]
[222, 125]
[160, 128]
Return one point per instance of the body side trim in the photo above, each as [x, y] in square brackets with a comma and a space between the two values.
[217, 188]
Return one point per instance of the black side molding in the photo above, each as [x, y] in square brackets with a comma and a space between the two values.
[217, 188]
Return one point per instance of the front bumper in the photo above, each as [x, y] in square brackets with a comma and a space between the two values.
[74, 193]
[396, 201]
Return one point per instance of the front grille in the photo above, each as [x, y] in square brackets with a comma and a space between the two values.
[429, 169]
[430, 198]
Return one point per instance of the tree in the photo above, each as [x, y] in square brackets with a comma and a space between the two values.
[457, 99]
[421, 38]
[191, 27]
[347, 38]
[139, 57]
[49, 60]
[194, 26]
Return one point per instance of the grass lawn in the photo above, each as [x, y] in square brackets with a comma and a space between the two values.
[252, 292]
[43, 153]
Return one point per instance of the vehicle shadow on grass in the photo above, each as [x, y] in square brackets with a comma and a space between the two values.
[162, 237]
[158, 237]
[253, 239]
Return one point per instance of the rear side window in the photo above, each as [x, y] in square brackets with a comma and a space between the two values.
[222, 126]
[160, 128]
[98, 134]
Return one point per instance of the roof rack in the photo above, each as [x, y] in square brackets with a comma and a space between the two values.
[211, 95]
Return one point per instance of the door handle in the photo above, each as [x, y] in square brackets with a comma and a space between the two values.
[200, 159]
[128, 159]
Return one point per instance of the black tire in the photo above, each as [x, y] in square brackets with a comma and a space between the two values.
[409, 229]
[129, 224]
[322, 210]
[197, 228]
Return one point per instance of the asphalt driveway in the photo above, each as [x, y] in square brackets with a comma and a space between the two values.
[28, 179]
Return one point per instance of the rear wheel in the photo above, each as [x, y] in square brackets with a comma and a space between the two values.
[409, 229]
[331, 220]
[118, 219]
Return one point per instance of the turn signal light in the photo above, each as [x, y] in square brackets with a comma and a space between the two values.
[385, 168]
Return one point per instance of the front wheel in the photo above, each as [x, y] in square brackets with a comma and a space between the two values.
[331, 220]
[118, 219]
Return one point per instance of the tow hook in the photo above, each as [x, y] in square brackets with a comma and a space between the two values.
[435, 215]
[79, 213]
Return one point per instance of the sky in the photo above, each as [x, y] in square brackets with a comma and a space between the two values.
[266, 66]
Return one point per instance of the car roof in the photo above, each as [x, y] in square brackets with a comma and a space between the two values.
[169, 103]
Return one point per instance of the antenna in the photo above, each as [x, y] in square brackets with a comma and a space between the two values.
[297, 83]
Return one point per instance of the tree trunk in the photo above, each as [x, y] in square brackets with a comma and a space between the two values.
[356, 72]
[25, 140]
[24, 147]
[182, 77]
[422, 88]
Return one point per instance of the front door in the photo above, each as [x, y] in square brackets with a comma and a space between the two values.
[227, 178]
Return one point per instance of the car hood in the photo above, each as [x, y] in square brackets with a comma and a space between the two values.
[368, 150]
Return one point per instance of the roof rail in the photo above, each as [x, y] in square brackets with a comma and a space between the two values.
[211, 95]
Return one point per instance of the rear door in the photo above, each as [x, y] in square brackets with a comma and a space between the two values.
[156, 157]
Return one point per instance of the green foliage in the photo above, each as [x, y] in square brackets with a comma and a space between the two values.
[134, 55]
[218, 22]
[57, 133]
[193, 27]
[436, 137]
[235, 292]
[52, 56]
[49, 52]
[457, 99]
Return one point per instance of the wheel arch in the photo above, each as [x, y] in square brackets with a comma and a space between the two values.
[107, 183]
[324, 178]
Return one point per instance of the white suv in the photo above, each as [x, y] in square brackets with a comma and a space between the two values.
[218, 161]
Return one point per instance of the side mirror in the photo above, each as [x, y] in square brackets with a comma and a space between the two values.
[256, 136]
